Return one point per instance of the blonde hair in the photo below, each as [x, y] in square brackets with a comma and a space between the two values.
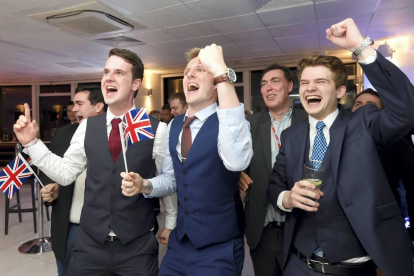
[192, 53]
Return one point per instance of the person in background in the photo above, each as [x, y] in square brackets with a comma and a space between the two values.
[88, 102]
[71, 114]
[178, 103]
[166, 115]
[264, 226]
[155, 114]
[397, 160]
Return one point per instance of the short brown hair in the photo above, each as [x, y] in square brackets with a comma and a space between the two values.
[192, 53]
[286, 71]
[180, 96]
[334, 64]
[133, 59]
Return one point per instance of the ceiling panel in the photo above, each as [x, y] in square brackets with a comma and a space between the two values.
[254, 35]
[154, 54]
[252, 45]
[142, 6]
[171, 16]
[12, 27]
[294, 30]
[150, 37]
[237, 23]
[306, 43]
[394, 4]
[387, 32]
[213, 9]
[344, 8]
[288, 16]
[393, 17]
[12, 6]
[193, 30]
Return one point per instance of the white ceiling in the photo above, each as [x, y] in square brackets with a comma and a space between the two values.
[34, 50]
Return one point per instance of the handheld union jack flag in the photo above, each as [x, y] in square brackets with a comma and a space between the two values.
[136, 127]
[14, 175]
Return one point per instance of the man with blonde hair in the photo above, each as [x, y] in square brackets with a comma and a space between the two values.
[207, 148]
[352, 224]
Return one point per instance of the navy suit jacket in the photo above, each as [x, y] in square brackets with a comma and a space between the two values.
[361, 185]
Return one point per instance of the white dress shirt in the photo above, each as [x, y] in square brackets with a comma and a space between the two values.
[234, 144]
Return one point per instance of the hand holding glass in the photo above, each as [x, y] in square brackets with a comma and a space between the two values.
[313, 174]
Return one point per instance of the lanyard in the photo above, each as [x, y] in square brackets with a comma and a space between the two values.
[276, 136]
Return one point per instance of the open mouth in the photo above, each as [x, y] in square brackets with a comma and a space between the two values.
[272, 96]
[110, 90]
[313, 100]
[79, 118]
[192, 87]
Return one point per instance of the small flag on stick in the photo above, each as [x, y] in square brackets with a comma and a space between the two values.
[14, 175]
[135, 127]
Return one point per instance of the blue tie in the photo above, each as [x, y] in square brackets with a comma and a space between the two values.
[318, 153]
[319, 146]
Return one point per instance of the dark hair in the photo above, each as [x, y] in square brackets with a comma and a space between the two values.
[180, 96]
[70, 103]
[371, 92]
[288, 74]
[95, 94]
[334, 64]
[133, 59]
[166, 107]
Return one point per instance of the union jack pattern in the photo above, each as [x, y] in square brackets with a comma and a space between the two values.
[13, 176]
[136, 127]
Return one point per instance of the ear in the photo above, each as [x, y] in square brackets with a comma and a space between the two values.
[340, 92]
[290, 86]
[99, 107]
[136, 84]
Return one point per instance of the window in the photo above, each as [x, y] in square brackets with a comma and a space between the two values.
[12, 99]
[47, 89]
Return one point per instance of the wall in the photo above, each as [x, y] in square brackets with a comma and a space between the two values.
[150, 81]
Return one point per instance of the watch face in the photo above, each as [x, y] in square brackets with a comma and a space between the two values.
[231, 75]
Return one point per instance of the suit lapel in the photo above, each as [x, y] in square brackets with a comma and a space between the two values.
[336, 133]
[266, 139]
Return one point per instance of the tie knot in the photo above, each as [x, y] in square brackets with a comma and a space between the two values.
[320, 125]
[115, 122]
[188, 121]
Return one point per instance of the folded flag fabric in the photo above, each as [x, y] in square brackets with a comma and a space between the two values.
[136, 127]
[14, 175]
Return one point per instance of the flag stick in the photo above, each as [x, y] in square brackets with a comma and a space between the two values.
[30, 168]
[121, 131]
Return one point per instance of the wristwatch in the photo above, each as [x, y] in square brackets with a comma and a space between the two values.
[229, 76]
[367, 41]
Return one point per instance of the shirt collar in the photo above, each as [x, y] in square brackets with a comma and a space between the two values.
[110, 116]
[285, 116]
[204, 113]
[329, 120]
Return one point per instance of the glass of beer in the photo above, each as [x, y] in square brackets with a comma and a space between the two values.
[313, 173]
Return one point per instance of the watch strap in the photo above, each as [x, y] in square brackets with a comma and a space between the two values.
[221, 78]
[367, 41]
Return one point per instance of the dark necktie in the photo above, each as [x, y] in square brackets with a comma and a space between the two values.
[186, 140]
[114, 141]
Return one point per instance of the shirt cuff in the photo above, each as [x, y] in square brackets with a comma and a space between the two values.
[231, 117]
[369, 59]
[279, 202]
[170, 222]
[37, 151]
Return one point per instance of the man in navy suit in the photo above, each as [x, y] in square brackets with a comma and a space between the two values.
[355, 225]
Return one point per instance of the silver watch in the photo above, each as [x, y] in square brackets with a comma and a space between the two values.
[367, 41]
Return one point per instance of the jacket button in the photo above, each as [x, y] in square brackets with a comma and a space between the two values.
[264, 204]
[67, 215]
[319, 225]
[184, 172]
[70, 194]
[112, 199]
[114, 172]
[109, 226]
[186, 213]
[113, 185]
[113, 213]
[185, 186]
[185, 200]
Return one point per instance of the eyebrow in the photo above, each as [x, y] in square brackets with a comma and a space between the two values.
[274, 78]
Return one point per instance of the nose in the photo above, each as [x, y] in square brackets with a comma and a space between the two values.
[75, 108]
[109, 76]
[311, 87]
[190, 73]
